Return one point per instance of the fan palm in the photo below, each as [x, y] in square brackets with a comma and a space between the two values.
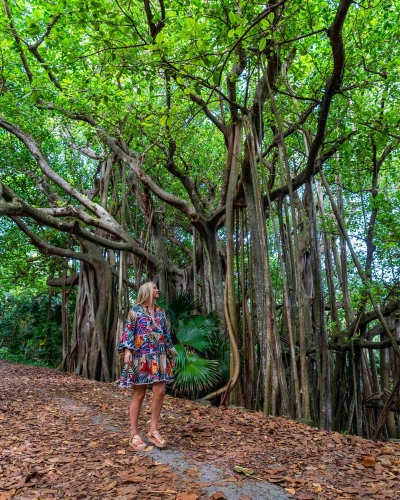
[203, 355]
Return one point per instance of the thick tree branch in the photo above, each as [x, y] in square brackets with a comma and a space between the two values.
[186, 180]
[183, 247]
[16, 208]
[32, 147]
[47, 249]
[135, 162]
[217, 214]
[18, 42]
[198, 100]
[232, 78]
[372, 316]
[49, 27]
[154, 28]
[332, 87]
[136, 165]
[361, 344]
[291, 129]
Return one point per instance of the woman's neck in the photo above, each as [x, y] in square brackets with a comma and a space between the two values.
[150, 305]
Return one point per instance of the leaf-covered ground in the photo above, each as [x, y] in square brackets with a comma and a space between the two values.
[64, 436]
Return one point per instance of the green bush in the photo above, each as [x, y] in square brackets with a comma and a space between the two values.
[202, 362]
[26, 334]
[5, 355]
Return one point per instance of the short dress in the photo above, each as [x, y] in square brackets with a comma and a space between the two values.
[149, 340]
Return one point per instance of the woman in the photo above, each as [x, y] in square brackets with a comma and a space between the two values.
[148, 354]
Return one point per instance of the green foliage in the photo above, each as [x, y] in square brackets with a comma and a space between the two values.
[6, 355]
[179, 308]
[192, 372]
[26, 334]
[195, 336]
[203, 355]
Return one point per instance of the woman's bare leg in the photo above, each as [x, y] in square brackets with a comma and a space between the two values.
[139, 392]
[156, 404]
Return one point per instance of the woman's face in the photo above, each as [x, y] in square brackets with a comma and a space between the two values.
[156, 292]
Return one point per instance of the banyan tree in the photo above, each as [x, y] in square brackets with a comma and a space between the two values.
[243, 154]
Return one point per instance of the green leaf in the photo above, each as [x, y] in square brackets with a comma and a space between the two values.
[190, 22]
[34, 96]
[263, 44]
[33, 30]
[160, 37]
[163, 119]
[243, 470]
[231, 17]
[231, 33]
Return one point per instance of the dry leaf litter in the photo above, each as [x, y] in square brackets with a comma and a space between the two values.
[64, 436]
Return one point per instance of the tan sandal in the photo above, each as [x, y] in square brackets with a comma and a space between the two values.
[156, 438]
[136, 442]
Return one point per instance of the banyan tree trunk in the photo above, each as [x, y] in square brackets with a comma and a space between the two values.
[93, 336]
[275, 386]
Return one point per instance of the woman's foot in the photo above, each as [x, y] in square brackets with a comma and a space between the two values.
[136, 442]
[156, 438]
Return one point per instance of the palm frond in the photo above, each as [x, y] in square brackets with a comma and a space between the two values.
[180, 306]
[191, 335]
[196, 334]
[210, 322]
[221, 354]
[181, 358]
[197, 374]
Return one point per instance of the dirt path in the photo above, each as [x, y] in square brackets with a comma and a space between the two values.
[64, 436]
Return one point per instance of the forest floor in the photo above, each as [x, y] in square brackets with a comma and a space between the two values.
[64, 436]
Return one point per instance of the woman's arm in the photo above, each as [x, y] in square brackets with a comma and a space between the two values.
[171, 351]
[126, 342]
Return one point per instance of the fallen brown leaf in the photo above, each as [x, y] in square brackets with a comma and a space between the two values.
[187, 495]
[110, 486]
[193, 472]
[134, 479]
[317, 488]
[7, 494]
[126, 490]
[218, 496]
[368, 461]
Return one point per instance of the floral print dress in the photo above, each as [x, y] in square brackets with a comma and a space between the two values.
[148, 338]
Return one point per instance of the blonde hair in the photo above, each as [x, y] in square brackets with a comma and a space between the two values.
[145, 293]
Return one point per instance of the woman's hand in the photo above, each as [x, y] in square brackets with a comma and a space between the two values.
[128, 357]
